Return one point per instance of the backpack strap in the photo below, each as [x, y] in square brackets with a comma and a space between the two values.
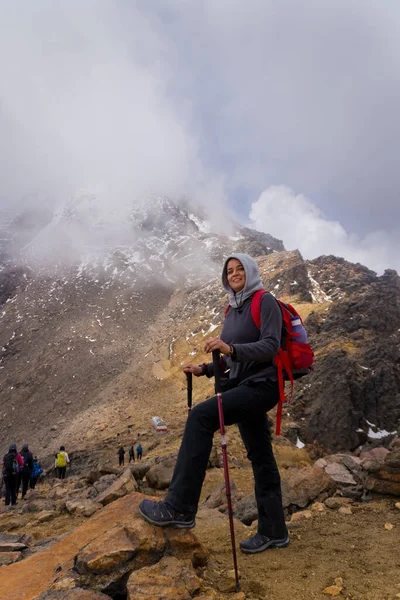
[281, 361]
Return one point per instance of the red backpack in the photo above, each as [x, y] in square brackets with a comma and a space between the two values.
[295, 357]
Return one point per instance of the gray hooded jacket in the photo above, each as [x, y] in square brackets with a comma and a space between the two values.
[254, 349]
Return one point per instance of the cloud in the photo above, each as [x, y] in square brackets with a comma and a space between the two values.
[301, 225]
[206, 100]
[85, 105]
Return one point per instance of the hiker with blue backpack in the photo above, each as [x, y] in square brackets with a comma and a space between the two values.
[251, 359]
[36, 472]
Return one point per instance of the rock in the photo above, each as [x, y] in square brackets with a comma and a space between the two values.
[246, 510]
[317, 507]
[376, 455]
[87, 508]
[333, 590]
[397, 505]
[305, 485]
[386, 480]
[93, 476]
[57, 493]
[104, 483]
[160, 475]
[345, 510]
[336, 502]
[217, 497]
[6, 558]
[122, 486]
[105, 469]
[301, 515]
[139, 470]
[13, 542]
[38, 505]
[114, 538]
[170, 578]
[392, 461]
[46, 515]
[338, 472]
[73, 594]
[227, 581]
[11, 546]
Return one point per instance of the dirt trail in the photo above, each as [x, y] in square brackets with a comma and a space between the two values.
[329, 545]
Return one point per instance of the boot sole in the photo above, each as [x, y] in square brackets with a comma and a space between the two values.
[176, 524]
[271, 544]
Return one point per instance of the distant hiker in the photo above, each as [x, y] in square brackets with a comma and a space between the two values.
[139, 452]
[61, 462]
[12, 463]
[121, 456]
[36, 472]
[26, 469]
[131, 454]
[251, 390]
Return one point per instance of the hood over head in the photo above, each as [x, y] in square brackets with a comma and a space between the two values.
[13, 448]
[253, 279]
[25, 446]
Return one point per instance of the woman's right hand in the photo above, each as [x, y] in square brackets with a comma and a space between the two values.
[192, 368]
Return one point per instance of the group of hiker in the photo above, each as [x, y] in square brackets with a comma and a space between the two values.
[121, 454]
[20, 471]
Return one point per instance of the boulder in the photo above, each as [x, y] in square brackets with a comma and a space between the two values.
[305, 485]
[13, 542]
[246, 510]
[105, 469]
[100, 554]
[38, 505]
[139, 470]
[169, 578]
[160, 475]
[338, 472]
[122, 486]
[73, 594]
[46, 515]
[217, 498]
[6, 558]
[87, 508]
[386, 480]
[102, 484]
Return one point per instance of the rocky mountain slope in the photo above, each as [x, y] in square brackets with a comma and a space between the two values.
[84, 344]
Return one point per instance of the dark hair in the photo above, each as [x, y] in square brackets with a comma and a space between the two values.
[62, 448]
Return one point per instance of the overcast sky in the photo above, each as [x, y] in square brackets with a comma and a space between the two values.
[264, 107]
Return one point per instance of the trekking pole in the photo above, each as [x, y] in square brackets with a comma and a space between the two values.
[189, 379]
[217, 375]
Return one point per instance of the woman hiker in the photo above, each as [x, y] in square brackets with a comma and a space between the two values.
[251, 391]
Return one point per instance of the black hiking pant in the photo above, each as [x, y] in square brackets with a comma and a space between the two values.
[10, 482]
[61, 472]
[25, 482]
[121, 461]
[33, 482]
[247, 406]
[18, 481]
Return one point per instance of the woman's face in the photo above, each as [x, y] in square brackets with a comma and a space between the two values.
[236, 274]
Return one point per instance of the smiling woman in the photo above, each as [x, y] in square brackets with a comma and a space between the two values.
[251, 389]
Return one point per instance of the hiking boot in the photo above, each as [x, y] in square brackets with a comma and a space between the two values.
[162, 514]
[259, 543]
